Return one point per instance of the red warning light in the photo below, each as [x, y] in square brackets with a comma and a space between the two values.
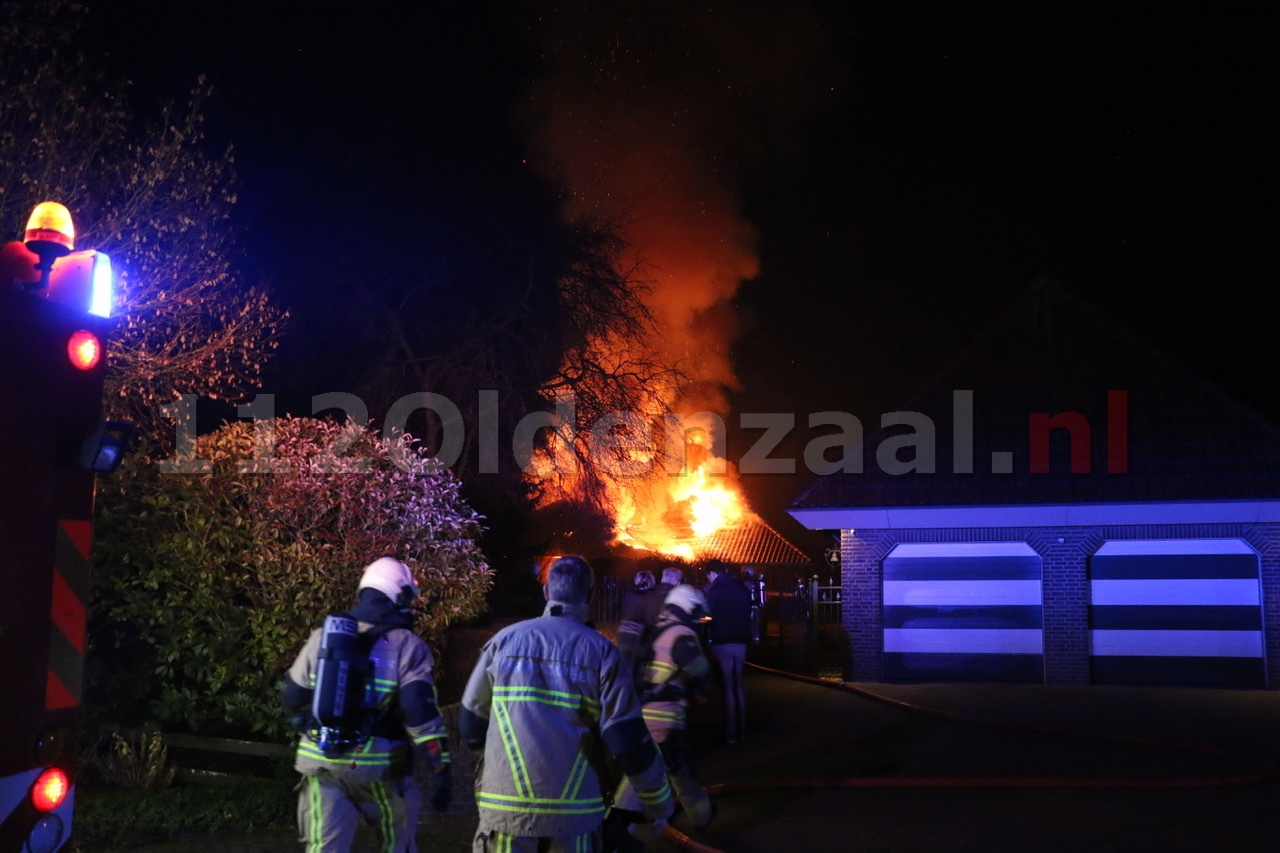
[50, 789]
[84, 349]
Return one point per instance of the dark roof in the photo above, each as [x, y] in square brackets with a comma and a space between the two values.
[753, 543]
[1053, 353]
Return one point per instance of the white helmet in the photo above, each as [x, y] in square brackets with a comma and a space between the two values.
[389, 576]
[689, 601]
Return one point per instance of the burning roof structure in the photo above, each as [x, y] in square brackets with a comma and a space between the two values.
[753, 543]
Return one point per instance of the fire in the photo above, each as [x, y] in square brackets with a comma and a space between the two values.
[704, 495]
[690, 508]
[654, 509]
[712, 506]
[636, 133]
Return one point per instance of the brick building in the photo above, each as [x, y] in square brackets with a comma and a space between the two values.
[1065, 504]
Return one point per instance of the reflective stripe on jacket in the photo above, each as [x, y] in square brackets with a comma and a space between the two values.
[671, 678]
[549, 687]
[399, 658]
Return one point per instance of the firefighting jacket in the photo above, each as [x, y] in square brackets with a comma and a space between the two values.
[547, 699]
[676, 671]
[400, 696]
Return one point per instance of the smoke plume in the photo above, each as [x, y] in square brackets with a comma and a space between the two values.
[647, 114]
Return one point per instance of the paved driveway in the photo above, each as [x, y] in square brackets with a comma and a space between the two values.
[1218, 739]
[798, 731]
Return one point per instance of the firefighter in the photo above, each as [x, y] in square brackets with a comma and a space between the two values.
[372, 780]
[543, 698]
[676, 672]
[640, 609]
[636, 617]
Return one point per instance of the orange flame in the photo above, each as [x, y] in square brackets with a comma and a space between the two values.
[654, 510]
[636, 132]
[712, 506]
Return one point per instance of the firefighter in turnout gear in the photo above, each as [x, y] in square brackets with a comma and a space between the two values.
[548, 698]
[368, 775]
[676, 671]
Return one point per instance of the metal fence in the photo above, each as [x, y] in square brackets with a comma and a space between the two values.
[606, 602]
[811, 601]
[798, 630]
[801, 631]
[827, 602]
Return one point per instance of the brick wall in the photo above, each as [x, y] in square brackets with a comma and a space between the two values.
[1065, 552]
[862, 614]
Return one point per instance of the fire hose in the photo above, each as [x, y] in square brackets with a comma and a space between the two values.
[1264, 770]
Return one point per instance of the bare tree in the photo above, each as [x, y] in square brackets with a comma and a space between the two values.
[609, 368]
[155, 200]
[531, 319]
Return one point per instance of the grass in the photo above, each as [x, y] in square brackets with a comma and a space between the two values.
[126, 796]
[115, 817]
[171, 819]
[109, 817]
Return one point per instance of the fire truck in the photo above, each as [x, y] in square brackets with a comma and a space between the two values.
[54, 304]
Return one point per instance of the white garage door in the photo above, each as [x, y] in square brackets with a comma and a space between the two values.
[1176, 611]
[963, 611]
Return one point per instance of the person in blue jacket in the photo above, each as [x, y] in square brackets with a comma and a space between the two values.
[728, 633]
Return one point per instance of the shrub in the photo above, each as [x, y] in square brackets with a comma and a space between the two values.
[207, 584]
[136, 762]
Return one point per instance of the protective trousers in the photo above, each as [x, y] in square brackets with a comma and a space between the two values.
[329, 810]
[678, 758]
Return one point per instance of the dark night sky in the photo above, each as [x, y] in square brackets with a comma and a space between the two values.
[933, 160]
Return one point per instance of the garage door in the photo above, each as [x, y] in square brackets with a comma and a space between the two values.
[963, 611]
[1176, 611]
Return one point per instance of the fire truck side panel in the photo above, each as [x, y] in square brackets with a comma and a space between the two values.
[48, 410]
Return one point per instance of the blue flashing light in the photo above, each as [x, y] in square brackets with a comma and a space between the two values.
[83, 280]
[49, 832]
[103, 291]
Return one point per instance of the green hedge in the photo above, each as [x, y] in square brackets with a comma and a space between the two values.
[207, 584]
